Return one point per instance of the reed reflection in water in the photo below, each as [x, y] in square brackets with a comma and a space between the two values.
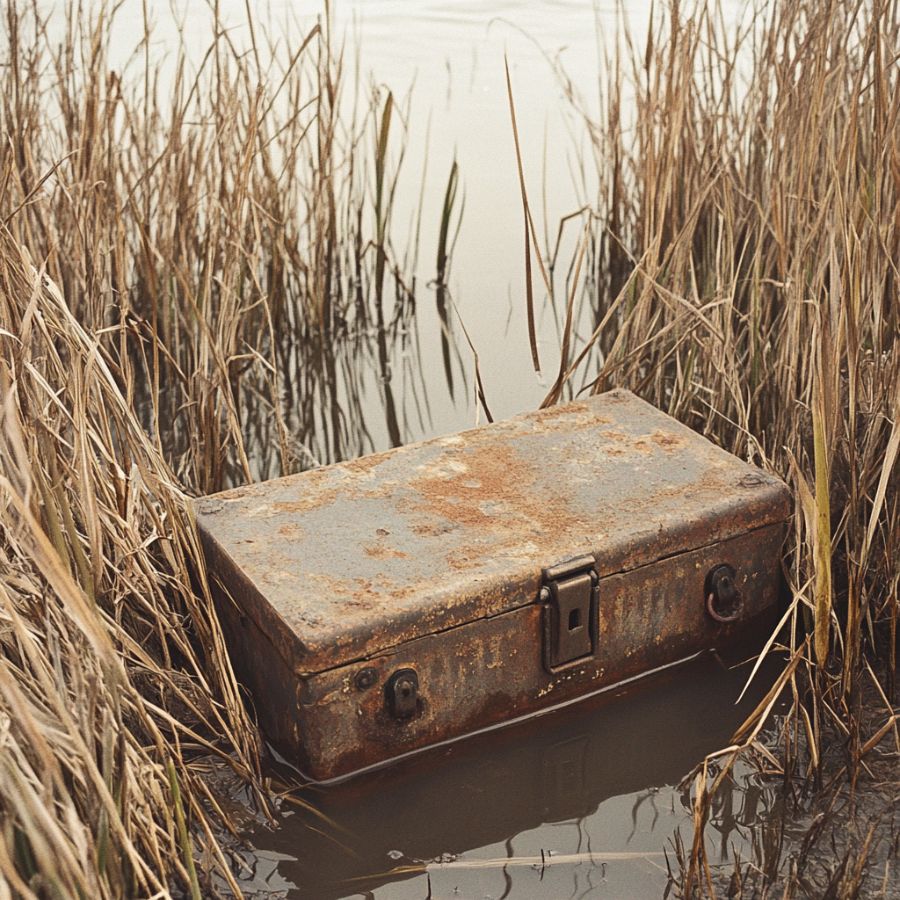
[580, 800]
[331, 396]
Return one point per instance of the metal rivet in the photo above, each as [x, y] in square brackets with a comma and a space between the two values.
[366, 678]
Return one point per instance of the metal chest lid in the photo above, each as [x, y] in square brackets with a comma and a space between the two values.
[339, 563]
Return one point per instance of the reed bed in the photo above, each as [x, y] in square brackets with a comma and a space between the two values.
[744, 252]
[173, 240]
[174, 250]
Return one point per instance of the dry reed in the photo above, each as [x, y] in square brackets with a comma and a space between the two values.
[745, 251]
[169, 257]
[173, 240]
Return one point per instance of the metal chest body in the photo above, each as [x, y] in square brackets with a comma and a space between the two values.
[399, 600]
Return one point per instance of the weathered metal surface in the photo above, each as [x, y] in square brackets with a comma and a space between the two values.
[348, 560]
[649, 617]
[431, 558]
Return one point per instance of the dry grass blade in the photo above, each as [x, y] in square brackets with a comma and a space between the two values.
[555, 392]
[480, 397]
[887, 468]
[186, 844]
[529, 230]
[822, 542]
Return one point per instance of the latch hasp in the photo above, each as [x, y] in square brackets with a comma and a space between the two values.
[570, 595]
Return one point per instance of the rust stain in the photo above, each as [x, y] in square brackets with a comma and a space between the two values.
[313, 500]
[290, 530]
[459, 495]
[379, 551]
[565, 411]
[364, 464]
[455, 493]
[573, 416]
[460, 560]
[667, 440]
[432, 529]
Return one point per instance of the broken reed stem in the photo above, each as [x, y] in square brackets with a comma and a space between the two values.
[822, 537]
[187, 847]
[530, 233]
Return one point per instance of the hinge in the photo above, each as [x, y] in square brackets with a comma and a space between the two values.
[570, 595]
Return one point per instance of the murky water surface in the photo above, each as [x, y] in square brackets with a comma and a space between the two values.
[444, 63]
[582, 802]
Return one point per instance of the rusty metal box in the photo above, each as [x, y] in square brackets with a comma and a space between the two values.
[382, 605]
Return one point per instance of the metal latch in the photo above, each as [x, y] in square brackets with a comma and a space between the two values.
[402, 693]
[570, 597]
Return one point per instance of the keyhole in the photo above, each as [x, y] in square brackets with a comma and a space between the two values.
[574, 619]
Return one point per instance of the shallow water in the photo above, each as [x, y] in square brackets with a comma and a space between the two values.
[445, 65]
[578, 803]
[581, 802]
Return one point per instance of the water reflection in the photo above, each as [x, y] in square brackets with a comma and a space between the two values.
[349, 393]
[552, 807]
[309, 397]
